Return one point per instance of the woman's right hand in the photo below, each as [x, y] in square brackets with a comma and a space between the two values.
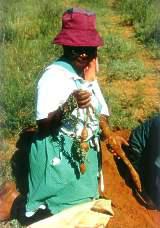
[83, 98]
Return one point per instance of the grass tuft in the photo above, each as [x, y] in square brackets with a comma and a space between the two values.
[144, 15]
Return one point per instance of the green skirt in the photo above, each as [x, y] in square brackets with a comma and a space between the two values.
[54, 176]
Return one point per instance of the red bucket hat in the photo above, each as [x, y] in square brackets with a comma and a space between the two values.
[78, 29]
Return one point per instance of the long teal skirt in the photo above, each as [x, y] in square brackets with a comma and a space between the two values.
[54, 176]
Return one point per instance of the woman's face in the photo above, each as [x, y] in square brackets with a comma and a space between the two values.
[84, 56]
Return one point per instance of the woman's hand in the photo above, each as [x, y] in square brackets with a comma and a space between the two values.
[90, 70]
[83, 98]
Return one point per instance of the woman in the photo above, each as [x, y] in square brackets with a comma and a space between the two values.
[64, 162]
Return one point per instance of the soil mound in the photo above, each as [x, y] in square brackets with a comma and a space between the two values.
[129, 212]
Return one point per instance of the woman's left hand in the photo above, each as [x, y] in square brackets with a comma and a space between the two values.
[90, 70]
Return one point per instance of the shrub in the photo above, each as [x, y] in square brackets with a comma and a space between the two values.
[144, 14]
[120, 111]
[117, 47]
[118, 58]
[131, 69]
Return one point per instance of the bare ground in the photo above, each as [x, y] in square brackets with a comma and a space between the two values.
[128, 211]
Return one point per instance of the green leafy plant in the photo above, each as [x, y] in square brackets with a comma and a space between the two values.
[131, 69]
[117, 47]
[144, 15]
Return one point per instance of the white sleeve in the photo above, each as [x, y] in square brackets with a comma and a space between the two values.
[49, 93]
[101, 99]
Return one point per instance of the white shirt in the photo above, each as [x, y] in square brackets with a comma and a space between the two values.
[55, 86]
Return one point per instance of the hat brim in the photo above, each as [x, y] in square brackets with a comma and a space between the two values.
[89, 38]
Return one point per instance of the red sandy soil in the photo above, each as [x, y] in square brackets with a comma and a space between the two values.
[128, 212]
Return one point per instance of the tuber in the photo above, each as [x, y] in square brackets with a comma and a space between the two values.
[133, 172]
[84, 146]
[84, 134]
[118, 150]
[82, 168]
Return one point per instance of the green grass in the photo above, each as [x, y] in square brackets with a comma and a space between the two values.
[5, 171]
[116, 47]
[118, 58]
[131, 69]
[144, 15]
[122, 108]
[25, 43]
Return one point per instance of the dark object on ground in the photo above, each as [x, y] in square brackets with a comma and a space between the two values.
[18, 212]
[20, 159]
